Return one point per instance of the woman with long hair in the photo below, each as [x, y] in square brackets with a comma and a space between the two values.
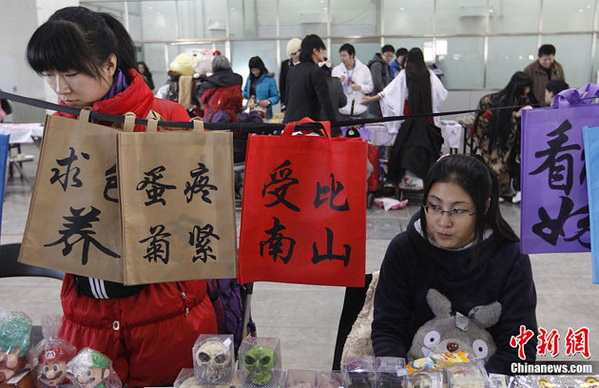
[88, 59]
[458, 245]
[261, 86]
[498, 130]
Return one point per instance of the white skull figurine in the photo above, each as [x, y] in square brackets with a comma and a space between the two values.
[213, 361]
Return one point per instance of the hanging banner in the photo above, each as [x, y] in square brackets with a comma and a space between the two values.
[304, 210]
[555, 209]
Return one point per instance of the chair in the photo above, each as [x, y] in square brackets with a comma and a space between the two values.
[352, 305]
[10, 267]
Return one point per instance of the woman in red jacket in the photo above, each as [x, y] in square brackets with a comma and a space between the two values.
[148, 331]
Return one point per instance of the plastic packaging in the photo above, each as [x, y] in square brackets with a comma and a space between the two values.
[330, 380]
[261, 357]
[90, 369]
[15, 336]
[429, 379]
[186, 379]
[436, 361]
[300, 378]
[391, 372]
[466, 375]
[213, 359]
[360, 372]
[49, 362]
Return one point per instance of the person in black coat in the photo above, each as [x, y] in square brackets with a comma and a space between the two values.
[307, 90]
[293, 54]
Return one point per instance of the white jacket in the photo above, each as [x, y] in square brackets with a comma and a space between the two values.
[359, 75]
[395, 94]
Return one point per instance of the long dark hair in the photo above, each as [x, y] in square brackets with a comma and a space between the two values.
[75, 38]
[418, 82]
[256, 63]
[475, 177]
[500, 124]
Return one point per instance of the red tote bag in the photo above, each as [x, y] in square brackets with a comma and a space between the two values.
[303, 218]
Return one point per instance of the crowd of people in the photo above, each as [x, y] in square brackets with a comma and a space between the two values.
[457, 243]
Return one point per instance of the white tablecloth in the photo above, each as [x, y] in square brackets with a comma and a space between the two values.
[21, 133]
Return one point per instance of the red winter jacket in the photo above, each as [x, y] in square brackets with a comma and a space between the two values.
[149, 335]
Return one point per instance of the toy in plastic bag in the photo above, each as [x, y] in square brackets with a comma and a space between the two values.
[262, 358]
[390, 372]
[213, 359]
[330, 380]
[466, 375]
[91, 369]
[360, 371]
[429, 379]
[546, 382]
[436, 361]
[50, 356]
[521, 381]
[15, 337]
[299, 378]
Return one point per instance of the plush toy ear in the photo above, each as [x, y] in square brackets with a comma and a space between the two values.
[439, 304]
[487, 315]
[105, 374]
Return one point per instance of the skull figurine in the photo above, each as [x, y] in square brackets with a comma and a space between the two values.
[260, 360]
[213, 360]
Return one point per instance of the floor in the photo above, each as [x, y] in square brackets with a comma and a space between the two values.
[305, 318]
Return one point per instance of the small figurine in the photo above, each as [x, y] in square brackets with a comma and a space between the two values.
[213, 360]
[15, 334]
[92, 369]
[52, 362]
[260, 360]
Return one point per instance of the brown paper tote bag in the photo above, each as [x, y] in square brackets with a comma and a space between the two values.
[74, 221]
[177, 204]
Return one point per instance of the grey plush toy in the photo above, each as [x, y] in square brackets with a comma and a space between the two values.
[454, 333]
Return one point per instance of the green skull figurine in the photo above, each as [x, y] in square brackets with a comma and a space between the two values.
[260, 361]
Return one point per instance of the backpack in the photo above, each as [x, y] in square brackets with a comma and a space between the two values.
[227, 297]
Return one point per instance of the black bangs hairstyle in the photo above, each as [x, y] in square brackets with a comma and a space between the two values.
[309, 43]
[418, 81]
[475, 177]
[257, 63]
[77, 39]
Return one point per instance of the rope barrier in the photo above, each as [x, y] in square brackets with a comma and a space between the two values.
[242, 127]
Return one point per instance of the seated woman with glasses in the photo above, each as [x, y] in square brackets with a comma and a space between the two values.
[459, 245]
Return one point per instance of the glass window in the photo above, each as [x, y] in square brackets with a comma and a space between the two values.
[506, 55]
[573, 53]
[462, 66]
[202, 19]
[153, 54]
[408, 17]
[354, 17]
[300, 18]
[463, 17]
[159, 20]
[572, 15]
[514, 16]
[251, 18]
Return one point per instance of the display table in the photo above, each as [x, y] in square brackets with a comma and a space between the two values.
[21, 133]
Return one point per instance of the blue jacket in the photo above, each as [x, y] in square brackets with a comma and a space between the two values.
[266, 89]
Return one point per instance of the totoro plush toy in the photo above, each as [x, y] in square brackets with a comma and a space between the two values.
[455, 333]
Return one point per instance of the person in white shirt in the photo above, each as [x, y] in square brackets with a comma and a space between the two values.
[356, 80]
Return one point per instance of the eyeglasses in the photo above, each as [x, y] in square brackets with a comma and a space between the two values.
[437, 211]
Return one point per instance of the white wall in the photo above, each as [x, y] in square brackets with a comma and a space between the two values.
[18, 21]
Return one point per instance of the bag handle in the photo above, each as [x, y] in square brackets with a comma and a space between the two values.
[84, 113]
[198, 124]
[129, 123]
[290, 127]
